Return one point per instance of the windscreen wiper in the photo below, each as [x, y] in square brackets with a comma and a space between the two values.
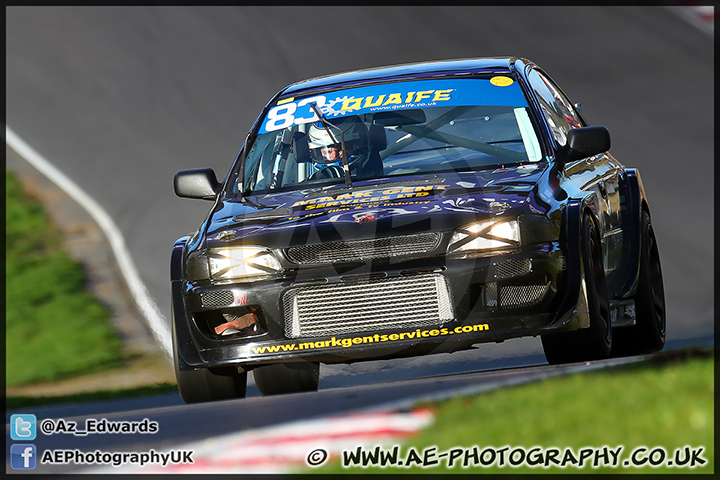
[328, 126]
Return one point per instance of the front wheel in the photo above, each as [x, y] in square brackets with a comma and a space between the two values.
[594, 342]
[204, 385]
[287, 377]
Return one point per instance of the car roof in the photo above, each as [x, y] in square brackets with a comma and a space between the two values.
[442, 68]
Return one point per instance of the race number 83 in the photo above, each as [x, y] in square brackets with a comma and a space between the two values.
[283, 116]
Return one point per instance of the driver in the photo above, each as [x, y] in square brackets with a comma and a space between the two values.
[326, 151]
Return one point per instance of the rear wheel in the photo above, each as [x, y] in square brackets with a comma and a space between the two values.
[648, 333]
[287, 377]
[594, 342]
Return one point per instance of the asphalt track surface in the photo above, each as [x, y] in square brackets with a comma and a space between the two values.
[121, 98]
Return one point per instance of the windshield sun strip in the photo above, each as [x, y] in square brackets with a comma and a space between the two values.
[532, 147]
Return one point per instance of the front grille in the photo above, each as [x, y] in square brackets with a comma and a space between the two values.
[513, 268]
[521, 295]
[370, 306]
[216, 298]
[364, 249]
[514, 296]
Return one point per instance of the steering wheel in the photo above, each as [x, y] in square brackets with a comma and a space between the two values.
[329, 171]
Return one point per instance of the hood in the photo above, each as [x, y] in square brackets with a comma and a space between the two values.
[410, 205]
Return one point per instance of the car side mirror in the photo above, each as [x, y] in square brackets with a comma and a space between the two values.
[197, 183]
[586, 141]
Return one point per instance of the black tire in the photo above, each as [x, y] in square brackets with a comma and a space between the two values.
[204, 385]
[594, 342]
[648, 333]
[287, 377]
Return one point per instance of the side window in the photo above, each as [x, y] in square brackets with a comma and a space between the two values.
[559, 112]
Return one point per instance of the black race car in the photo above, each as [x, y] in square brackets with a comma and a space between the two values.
[409, 210]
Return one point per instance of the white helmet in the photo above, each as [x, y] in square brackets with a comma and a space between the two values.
[354, 131]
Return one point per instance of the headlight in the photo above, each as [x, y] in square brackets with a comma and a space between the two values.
[242, 263]
[486, 236]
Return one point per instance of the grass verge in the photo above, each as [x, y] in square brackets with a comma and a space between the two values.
[668, 406]
[137, 375]
[54, 327]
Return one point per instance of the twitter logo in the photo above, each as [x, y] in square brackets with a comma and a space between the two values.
[23, 427]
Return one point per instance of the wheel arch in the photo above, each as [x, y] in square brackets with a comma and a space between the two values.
[635, 203]
[571, 226]
[177, 265]
[183, 342]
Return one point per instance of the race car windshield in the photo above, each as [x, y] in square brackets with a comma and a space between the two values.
[391, 130]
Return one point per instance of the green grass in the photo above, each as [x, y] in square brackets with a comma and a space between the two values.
[54, 327]
[648, 405]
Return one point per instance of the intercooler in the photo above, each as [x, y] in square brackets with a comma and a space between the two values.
[368, 306]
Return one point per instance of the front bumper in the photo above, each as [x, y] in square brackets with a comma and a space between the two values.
[479, 299]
